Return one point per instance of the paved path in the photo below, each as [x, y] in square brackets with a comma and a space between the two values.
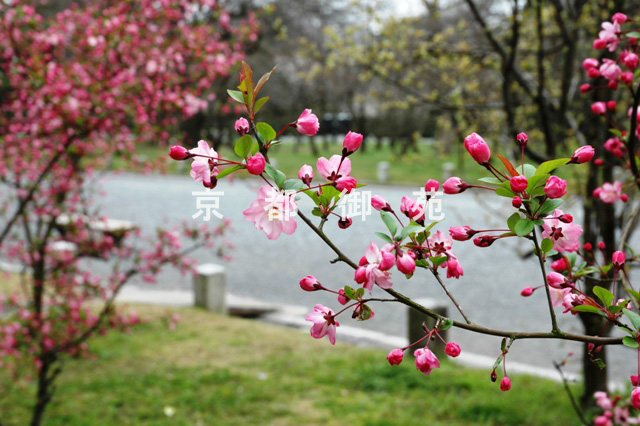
[270, 270]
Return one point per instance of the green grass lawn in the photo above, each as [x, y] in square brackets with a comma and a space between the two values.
[413, 168]
[215, 370]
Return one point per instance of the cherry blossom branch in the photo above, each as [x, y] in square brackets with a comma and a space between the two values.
[632, 137]
[554, 322]
[556, 333]
[455, 302]
[575, 405]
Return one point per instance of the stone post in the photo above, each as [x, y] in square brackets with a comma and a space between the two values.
[383, 172]
[209, 288]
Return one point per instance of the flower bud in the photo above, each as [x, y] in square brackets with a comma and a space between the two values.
[584, 88]
[484, 240]
[351, 143]
[583, 154]
[522, 139]
[624, 198]
[589, 63]
[406, 264]
[310, 283]
[344, 223]
[587, 246]
[618, 259]
[454, 185]
[559, 265]
[519, 183]
[395, 356]
[599, 43]
[178, 152]
[593, 73]
[631, 61]
[526, 292]
[516, 202]
[565, 218]
[361, 275]
[599, 108]
[477, 147]
[556, 280]
[635, 381]
[379, 203]
[602, 245]
[626, 78]
[461, 233]
[613, 84]
[256, 164]
[494, 376]
[555, 187]
[242, 126]
[306, 174]
[619, 18]
[346, 182]
[431, 187]
[635, 398]
[598, 162]
[611, 105]
[452, 349]
[307, 124]
[505, 384]
[342, 298]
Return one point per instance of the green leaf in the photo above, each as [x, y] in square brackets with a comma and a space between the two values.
[491, 180]
[243, 146]
[266, 132]
[255, 147]
[633, 317]
[360, 292]
[365, 313]
[410, 229]
[504, 192]
[546, 245]
[600, 363]
[390, 221]
[497, 363]
[633, 34]
[615, 309]
[384, 237]
[549, 166]
[604, 295]
[588, 308]
[629, 342]
[277, 176]
[446, 324]
[313, 195]
[259, 103]
[529, 170]
[316, 212]
[513, 219]
[422, 263]
[294, 184]
[550, 205]
[438, 260]
[227, 171]
[534, 181]
[350, 293]
[523, 227]
[329, 194]
[538, 192]
[616, 132]
[634, 294]
[236, 95]
[572, 258]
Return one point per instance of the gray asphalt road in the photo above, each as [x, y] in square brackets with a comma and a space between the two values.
[269, 270]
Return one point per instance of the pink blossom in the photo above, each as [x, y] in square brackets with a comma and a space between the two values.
[635, 398]
[431, 186]
[518, 183]
[204, 163]
[599, 44]
[626, 77]
[376, 267]
[602, 421]
[454, 269]
[461, 233]
[505, 384]
[559, 265]
[272, 212]
[452, 349]
[310, 283]
[557, 280]
[329, 168]
[584, 88]
[589, 63]
[477, 147]
[516, 201]
[242, 126]
[426, 360]
[440, 245]
[405, 263]
[615, 146]
[599, 108]
[306, 174]
[256, 164]
[178, 152]
[631, 60]
[565, 236]
[412, 209]
[307, 124]
[610, 69]
[571, 300]
[555, 187]
[610, 34]
[380, 203]
[618, 259]
[395, 356]
[557, 295]
[351, 143]
[342, 297]
[347, 183]
[454, 185]
[619, 18]
[583, 154]
[324, 323]
[610, 193]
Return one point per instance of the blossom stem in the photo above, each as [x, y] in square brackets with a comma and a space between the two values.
[453, 299]
[554, 323]
[285, 128]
